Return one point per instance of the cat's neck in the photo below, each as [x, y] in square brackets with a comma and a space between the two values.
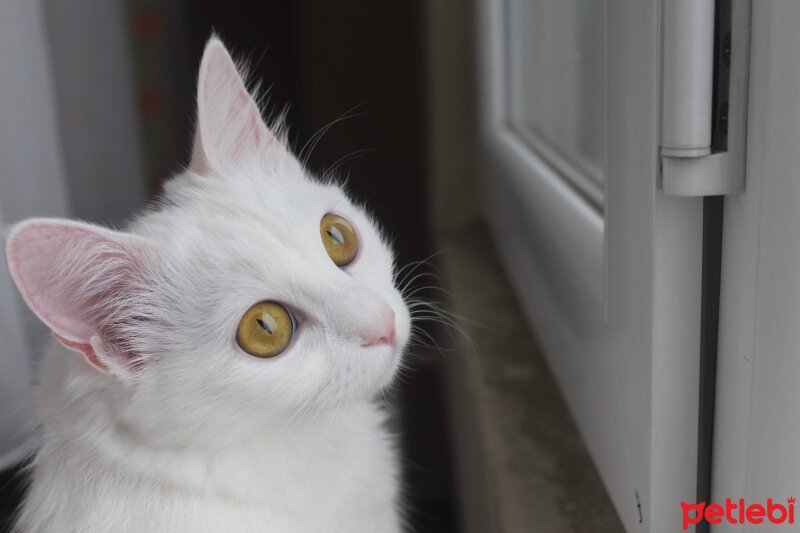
[274, 452]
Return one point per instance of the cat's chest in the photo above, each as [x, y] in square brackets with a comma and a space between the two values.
[327, 469]
[335, 477]
[176, 512]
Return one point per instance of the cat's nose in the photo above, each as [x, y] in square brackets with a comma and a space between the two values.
[383, 333]
[364, 316]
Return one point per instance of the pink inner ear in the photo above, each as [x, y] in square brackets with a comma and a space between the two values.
[251, 137]
[70, 275]
[32, 262]
[230, 126]
[85, 348]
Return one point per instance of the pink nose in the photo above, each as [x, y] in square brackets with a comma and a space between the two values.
[383, 333]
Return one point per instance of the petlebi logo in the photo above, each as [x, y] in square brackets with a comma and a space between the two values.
[738, 512]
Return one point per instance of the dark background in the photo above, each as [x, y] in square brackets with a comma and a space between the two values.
[321, 60]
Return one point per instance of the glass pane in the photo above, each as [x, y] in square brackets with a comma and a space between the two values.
[557, 85]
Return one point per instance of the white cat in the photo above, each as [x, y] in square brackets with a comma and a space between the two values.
[218, 361]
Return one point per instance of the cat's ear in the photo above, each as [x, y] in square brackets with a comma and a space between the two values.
[77, 278]
[229, 124]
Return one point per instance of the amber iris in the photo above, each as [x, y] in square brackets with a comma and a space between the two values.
[265, 330]
[339, 239]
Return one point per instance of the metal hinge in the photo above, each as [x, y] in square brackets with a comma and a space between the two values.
[704, 96]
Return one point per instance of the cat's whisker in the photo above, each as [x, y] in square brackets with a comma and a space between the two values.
[404, 281]
[422, 310]
[418, 331]
[328, 172]
[417, 264]
[305, 152]
[434, 306]
[408, 293]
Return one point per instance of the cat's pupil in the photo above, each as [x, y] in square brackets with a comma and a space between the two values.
[264, 325]
[335, 234]
[268, 322]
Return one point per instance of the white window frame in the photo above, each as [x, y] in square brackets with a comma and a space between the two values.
[614, 298]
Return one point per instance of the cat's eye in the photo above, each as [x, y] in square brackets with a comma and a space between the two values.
[339, 239]
[265, 330]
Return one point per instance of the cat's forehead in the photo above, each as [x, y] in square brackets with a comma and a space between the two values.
[275, 196]
[282, 187]
[250, 213]
[280, 202]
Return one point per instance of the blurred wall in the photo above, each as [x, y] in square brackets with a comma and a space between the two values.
[455, 207]
[165, 79]
[452, 128]
[92, 67]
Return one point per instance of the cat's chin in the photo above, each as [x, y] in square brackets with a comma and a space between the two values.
[393, 349]
[390, 353]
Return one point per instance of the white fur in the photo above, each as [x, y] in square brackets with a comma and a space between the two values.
[181, 430]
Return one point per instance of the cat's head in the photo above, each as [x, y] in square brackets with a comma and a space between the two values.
[252, 290]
